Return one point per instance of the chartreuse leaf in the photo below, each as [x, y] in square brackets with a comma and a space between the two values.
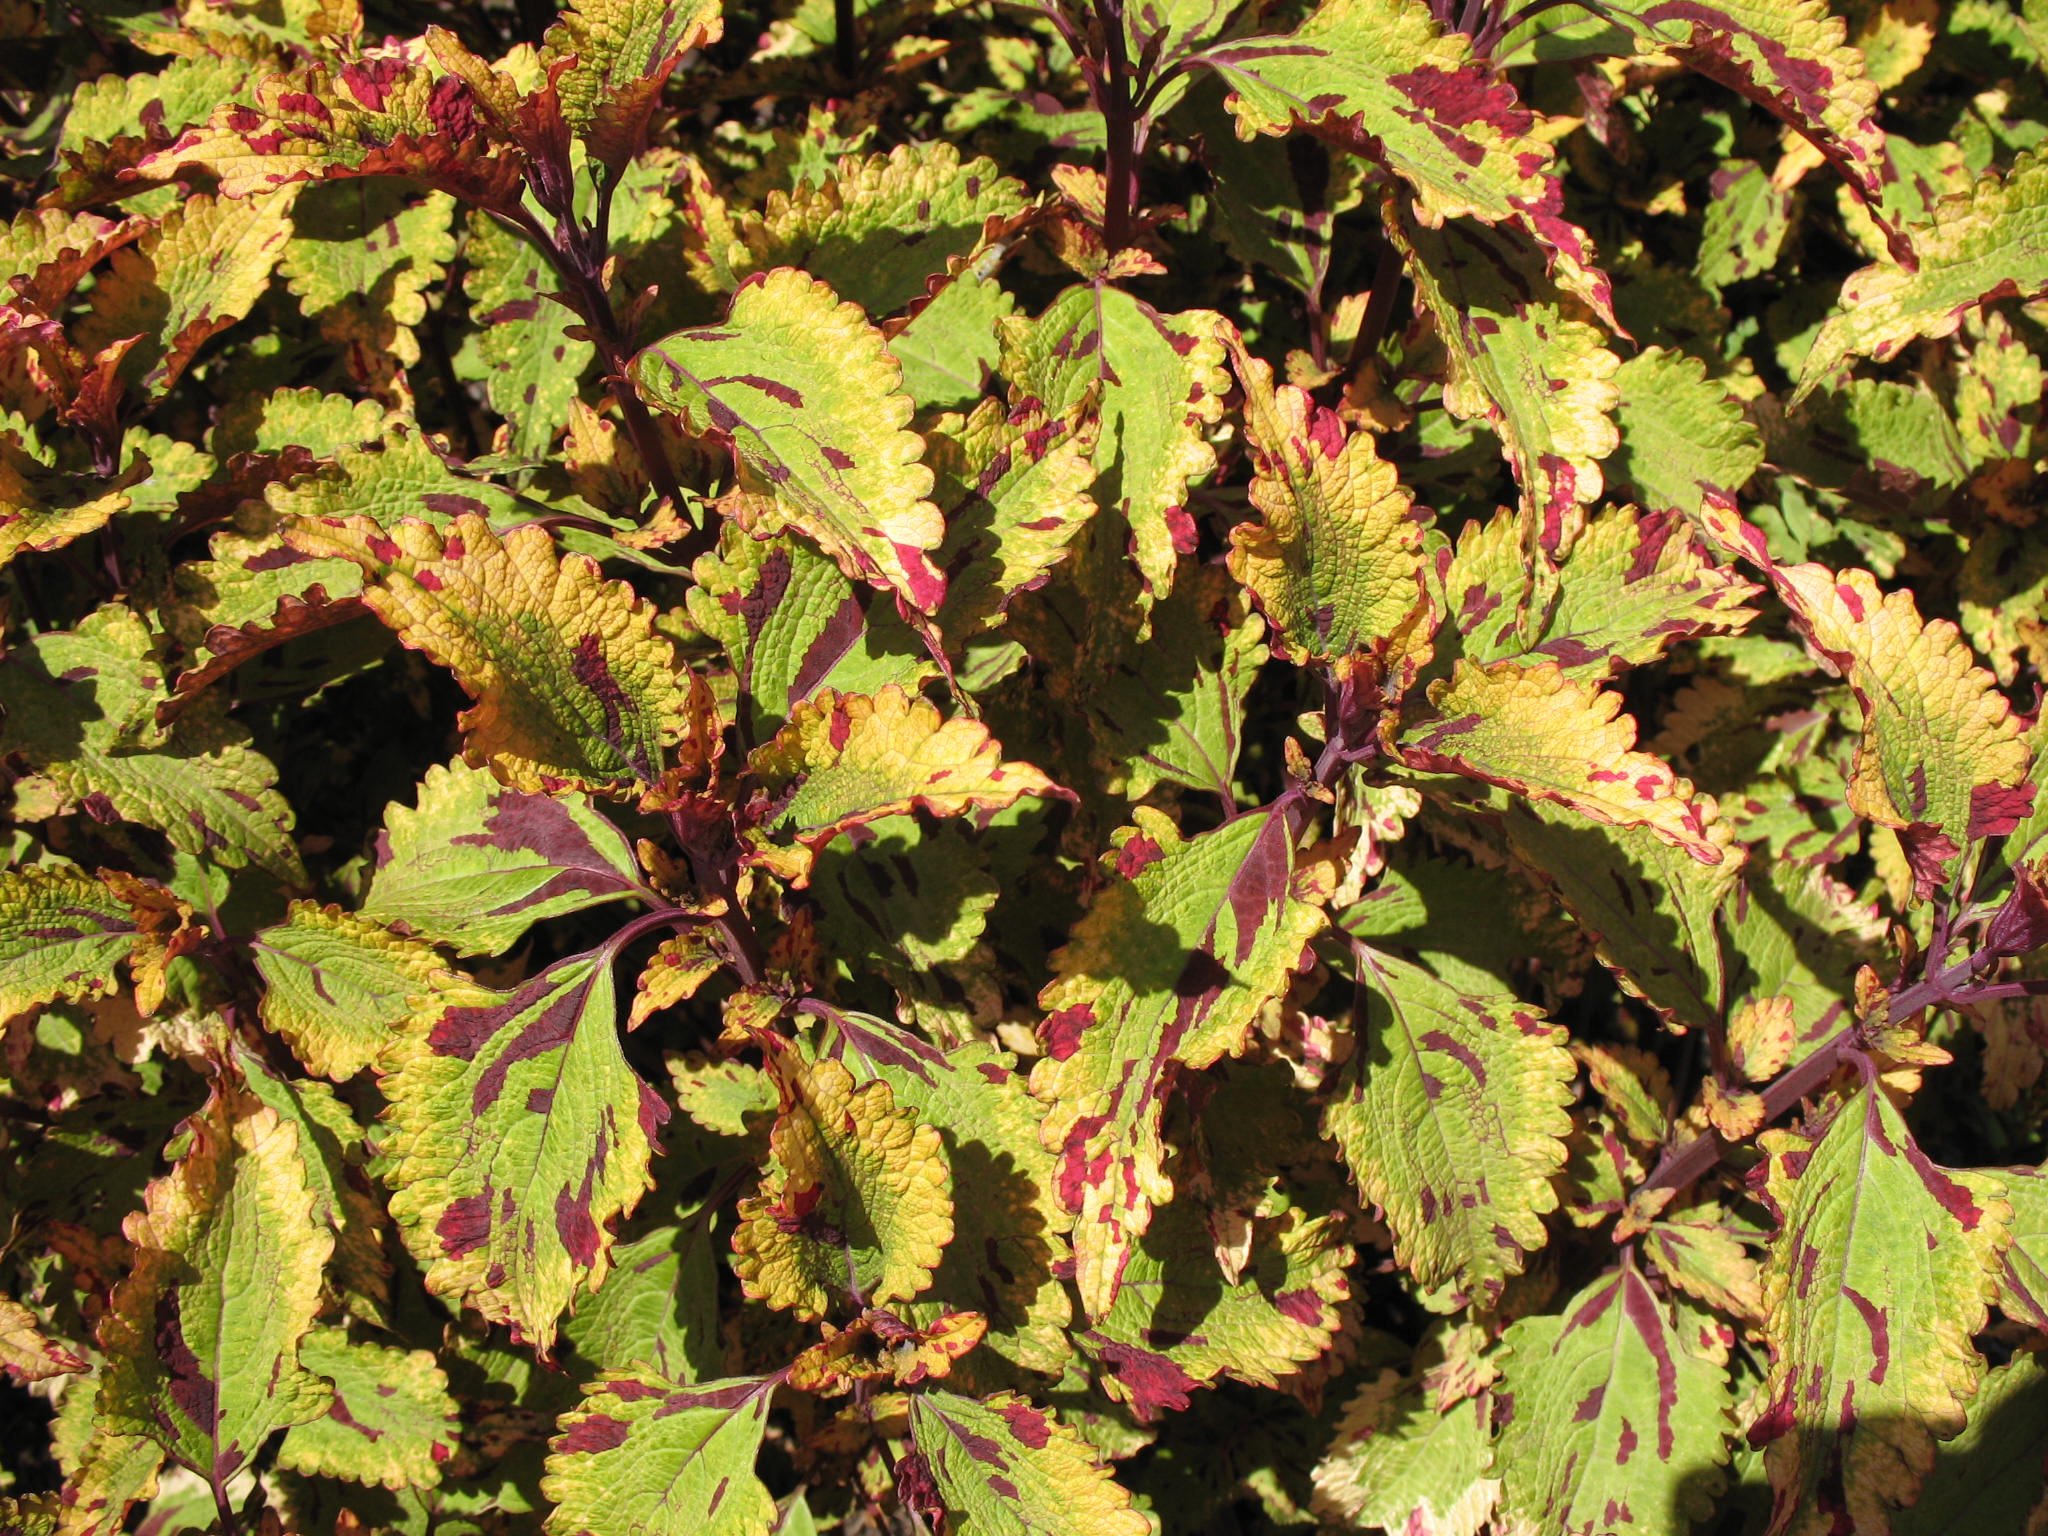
[650, 1457]
[1989, 1478]
[844, 760]
[813, 405]
[519, 350]
[1336, 565]
[1549, 737]
[362, 256]
[857, 1200]
[337, 985]
[1167, 970]
[518, 1134]
[620, 54]
[883, 225]
[1683, 437]
[1158, 384]
[1871, 1356]
[1653, 910]
[1617, 1427]
[1916, 682]
[190, 1362]
[1398, 1463]
[391, 1422]
[792, 623]
[1008, 1468]
[575, 688]
[474, 864]
[1524, 358]
[1015, 488]
[43, 508]
[1179, 1323]
[1007, 1236]
[1451, 1113]
[1745, 225]
[80, 707]
[2023, 1280]
[197, 273]
[949, 348]
[1382, 79]
[658, 1306]
[62, 932]
[1983, 244]
[401, 474]
[27, 1354]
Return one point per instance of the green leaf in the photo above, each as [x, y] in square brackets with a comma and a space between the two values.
[845, 760]
[1003, 1466]
[1336, 565]
[857, 1200]
[786, 378]
[1179, 1321]
[1167, 970]
[81, 707]
[1525, 358]
[1618, 1428]
[620, 54]
[62, 932]
[574, 686]
[362, 256]
[1007, 1238]
[658, 1306]
[649, 1456]
[338, 986]
[1984, 244]
[1989, 1477]
[950, 347]
[518, 1134]
[391, 1422]
[1451, 1115]
[1398, 1462]
[42, 509]
[1871, 1358]
[529, 367]
[402, 473]
[189, 1363]
[881, 226]
[1683, 437]
[792, 623]
[1746, 222]
[1158, 384]
[2023, 1281]
[475, 864]
[1549, 737]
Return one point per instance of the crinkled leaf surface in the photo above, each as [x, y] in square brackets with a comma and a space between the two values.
[392, 1421]
[623, 52]
[62, 932]
[1009, 1468]
[1399, 1463]
[857, 1200]
[1683, 437]
[1451, 1113]
[1167, 970]
[474, 864]
[528, 366]
[518, 1135]
[645, 1456]
[338, 986]
[786, 378]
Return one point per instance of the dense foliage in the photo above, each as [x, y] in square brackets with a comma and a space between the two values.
[1000, 766]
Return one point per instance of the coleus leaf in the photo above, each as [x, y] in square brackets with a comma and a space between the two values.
[1683, 437]
[1007, 1240]
[1382, 79]
[1523, 357]
[1983, 245]
[519, 349]
[620, 54]
[1546, 736]
[846, 760]
[948, 349]
[1158, 384]
[81, 707]
[1871, 1359]
[337, 985]
[1451, 1114]
[1167, 970]
[362, 257]
[62, 932]
[574, 687]
[392, 1421]
[1398, 1462]
[376, 484]
[1652, 909]
[1179, 1322]
[857, 1201]
[518, 1136]
[792, 623]
[1616, 1425]
[1004, 1466]
[882, 226]
[650, 1456]
[1745, 225]
[187, 280]
[27, 1354]
[784, 378]
[658, 1306]
[1336, 563]
[42, 509]
[188, 1363]
[252, 596]
[1989, 1478]
[2023, 1278]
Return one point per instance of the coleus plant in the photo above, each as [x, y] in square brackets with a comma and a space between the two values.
[999, 767]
